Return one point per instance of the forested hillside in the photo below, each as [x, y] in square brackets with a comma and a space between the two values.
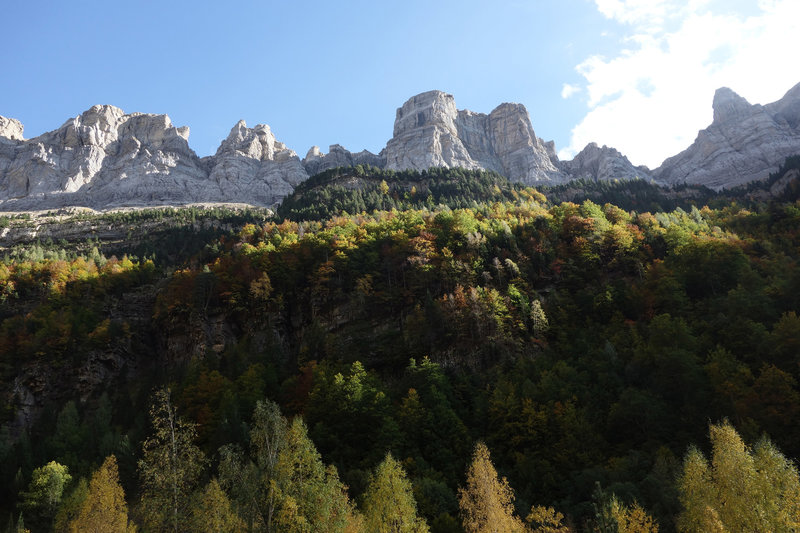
[384, 370]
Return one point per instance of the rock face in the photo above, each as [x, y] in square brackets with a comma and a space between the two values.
[250, 164]
[743, 143]
[105, 158]
[102, 157]
[11, 128]
[430, 132]
[337, 156]
[603, 164]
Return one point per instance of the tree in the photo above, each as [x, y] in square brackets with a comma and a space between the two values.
[389, 505]
[104, 509]
[313, 498]
[487, 503]
[283, 484]
[71, 505]
[170, 467]
[212, 512]
[40, 502]
[740, 489]
[251, 479]
[546, 520]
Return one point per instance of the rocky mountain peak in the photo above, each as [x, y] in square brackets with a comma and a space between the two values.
[11, 128]
[744, 143]
[429, 131]
[788, 107]
[431, 108]
[595, 163]
[728, 105]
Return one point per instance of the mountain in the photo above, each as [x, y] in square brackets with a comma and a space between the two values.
[105, 158]
[743, 143]
[430, 132]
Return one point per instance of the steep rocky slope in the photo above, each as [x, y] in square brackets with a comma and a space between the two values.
[430, 132]
[743, 143]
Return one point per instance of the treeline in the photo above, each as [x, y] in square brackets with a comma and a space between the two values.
[581, 343]
[366, 189]
[278, 482]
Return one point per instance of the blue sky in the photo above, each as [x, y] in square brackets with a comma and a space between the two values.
[635, 74]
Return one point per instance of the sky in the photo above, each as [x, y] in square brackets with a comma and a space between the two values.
[638, 75]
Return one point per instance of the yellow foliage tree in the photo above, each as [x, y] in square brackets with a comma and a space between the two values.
[487, 503]
[740, 489]
[104, 510]
[212, 512]
[546, 520]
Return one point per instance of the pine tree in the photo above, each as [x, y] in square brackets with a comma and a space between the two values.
[389, 505]
[104, 509]
[487, 503]
[170, 467]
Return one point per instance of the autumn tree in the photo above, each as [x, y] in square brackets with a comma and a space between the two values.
[104, 509]
[212, 512]
[170, 467]
[487, 502]
[389, 505]
[740, 488]
[546, 520]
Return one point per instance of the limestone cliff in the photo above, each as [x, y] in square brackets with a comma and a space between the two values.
[743, 143]
[603, 164]
[430, 132]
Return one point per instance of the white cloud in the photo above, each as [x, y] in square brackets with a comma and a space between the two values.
[568, 90]
[650, 101]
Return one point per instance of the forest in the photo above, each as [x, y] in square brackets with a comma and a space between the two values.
[440, 351]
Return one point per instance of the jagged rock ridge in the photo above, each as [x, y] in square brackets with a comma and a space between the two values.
[105, 158]
[743, 143]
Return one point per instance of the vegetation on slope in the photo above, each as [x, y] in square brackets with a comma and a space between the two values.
[585, 345]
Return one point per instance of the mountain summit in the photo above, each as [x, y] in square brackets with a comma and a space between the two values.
[106, 158]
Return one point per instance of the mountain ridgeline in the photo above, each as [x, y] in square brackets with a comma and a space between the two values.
[106, 158]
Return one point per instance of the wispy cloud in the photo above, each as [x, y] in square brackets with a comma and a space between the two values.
[568, 90]
[651, 99]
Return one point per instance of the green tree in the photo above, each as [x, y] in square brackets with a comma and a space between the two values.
[212, 512]
[740, 489]
[487, 502]
[283, 485]
[251, 479]
[71, 505]
[104, 509]
[389, 505]
[43, 496]
[170, 467]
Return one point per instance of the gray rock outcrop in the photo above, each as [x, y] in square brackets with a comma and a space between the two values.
[251, 165]
[430, 132]
[11, 128]
[743, 143]
[105, 158]
[603, 164]
[337, 156]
